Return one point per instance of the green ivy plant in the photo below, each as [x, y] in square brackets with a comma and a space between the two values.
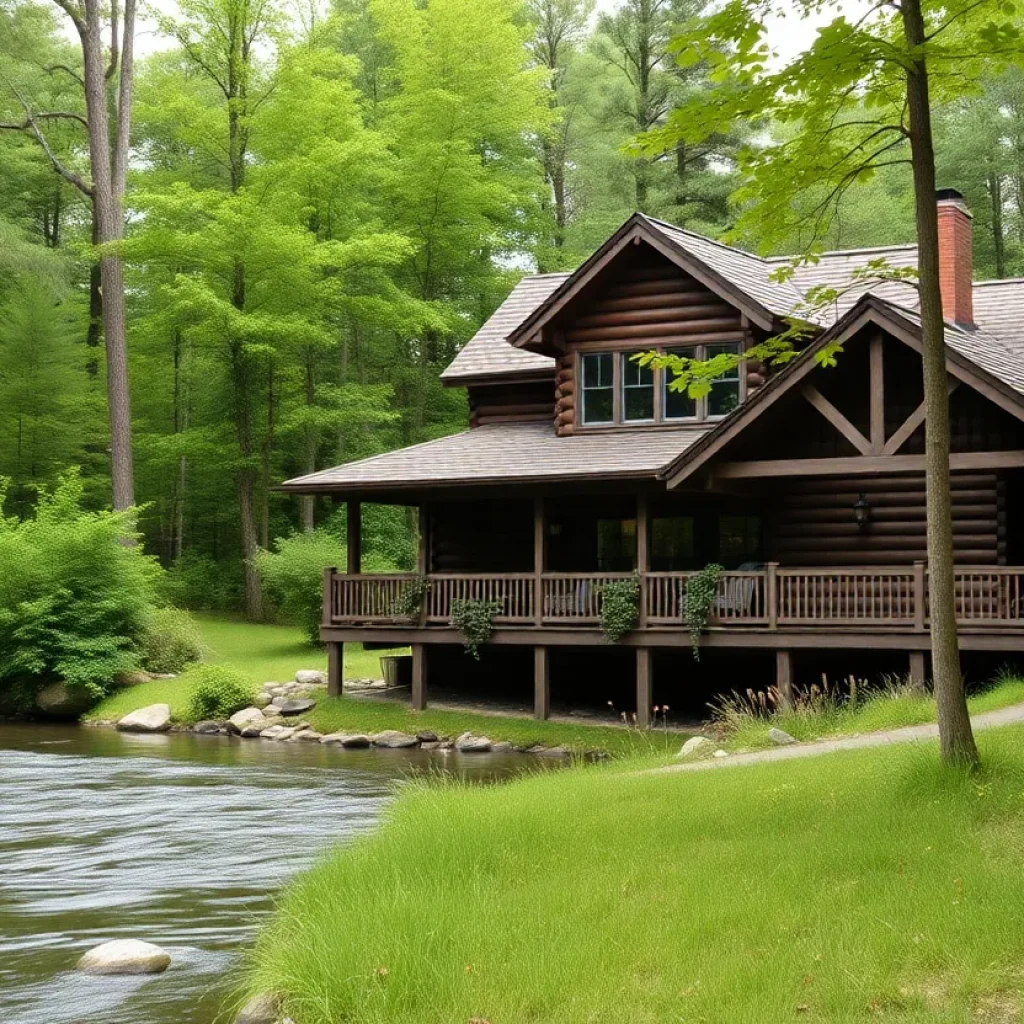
[620, 607]
[409, 603]
[474, 619]
[701, 591]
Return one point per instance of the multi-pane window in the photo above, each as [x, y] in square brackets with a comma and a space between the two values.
[637, 390]
[678, 405]
[725, 391]
[598, 388]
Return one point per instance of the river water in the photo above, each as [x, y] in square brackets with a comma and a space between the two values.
[180, 840]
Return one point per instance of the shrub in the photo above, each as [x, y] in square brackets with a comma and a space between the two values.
[217, 692]
[74, 596]
[474, 619]
[171, 640]
[699, 601]
[199, 582]
[620, 608]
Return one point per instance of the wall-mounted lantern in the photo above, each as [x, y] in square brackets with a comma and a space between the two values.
[862, 512]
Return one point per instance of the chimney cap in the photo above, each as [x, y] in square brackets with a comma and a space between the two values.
[950, 195]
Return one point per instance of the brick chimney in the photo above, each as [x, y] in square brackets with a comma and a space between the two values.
[956, 257]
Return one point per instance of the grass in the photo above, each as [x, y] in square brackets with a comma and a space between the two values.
[866, 886]
[890, 708]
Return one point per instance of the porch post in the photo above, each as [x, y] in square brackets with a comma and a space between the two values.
[541, 683]
[539, 557]
[335, 668]
[643, 687]
[423, 549]
[917, 670]
[354, 537]
[419, 677]
[784, 677]
[920, 593]
[642, 556]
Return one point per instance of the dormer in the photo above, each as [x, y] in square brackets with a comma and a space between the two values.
[640, 293]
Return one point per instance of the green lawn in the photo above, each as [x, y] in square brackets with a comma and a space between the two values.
[867, 886]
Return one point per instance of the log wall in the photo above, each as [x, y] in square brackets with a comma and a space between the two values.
[812, 522]
[509, 403]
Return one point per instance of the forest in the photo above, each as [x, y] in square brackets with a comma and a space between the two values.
[322, 204]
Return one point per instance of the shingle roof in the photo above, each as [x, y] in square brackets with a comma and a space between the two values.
[487, 352]
[508, 453]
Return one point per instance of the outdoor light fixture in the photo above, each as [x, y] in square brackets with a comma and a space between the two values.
[862, 512]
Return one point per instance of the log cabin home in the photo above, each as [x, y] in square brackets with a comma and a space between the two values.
[804, 482]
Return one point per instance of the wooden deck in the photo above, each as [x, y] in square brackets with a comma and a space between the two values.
[775, 599]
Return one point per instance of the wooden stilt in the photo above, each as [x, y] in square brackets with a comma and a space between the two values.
[918, 671]
[784, 677]
[541, 683]
[335, 668]
[643, 687]
[419, 676]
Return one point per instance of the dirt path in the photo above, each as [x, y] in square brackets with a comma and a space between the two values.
[908, 734]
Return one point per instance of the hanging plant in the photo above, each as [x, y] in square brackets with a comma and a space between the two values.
[475, 621]
[701, 591]
[409, 603]
[620, 607]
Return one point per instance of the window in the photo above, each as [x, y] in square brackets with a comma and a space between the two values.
[725, 391]
[678, 405]
[598, 390]
[637, 390]
[616, 545]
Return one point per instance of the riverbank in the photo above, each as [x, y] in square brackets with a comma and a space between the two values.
[862, 886]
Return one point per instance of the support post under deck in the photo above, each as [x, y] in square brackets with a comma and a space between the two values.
[643, 687]
[335, 668]
[784, 677]
[541, 683]
[419, 677]
[917, 670]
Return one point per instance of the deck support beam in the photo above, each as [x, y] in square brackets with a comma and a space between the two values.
[644, 688]
[335, 668]
[784, 677]
[918, 671]
[354, 538]
[419, 677]
[541, 683]
[643, 557]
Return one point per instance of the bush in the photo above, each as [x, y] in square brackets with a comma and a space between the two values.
[171, 640]
[199, 582]
[74, 597]
[217, 692]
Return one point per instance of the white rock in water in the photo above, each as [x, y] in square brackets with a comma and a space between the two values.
[308, 675]
[125, 956]
[696, 746]
[240, 720]
[467, 743]
[395, 739]
[780, 737]
[155, 718]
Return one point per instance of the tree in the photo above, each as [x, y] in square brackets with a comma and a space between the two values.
[106, 79]
[858, 99]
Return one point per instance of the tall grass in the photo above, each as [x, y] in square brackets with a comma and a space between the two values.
[866, 886]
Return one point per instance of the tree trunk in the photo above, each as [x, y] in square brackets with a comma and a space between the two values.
[995, 194]
[312, 443]
[94, 332]
[956, 738]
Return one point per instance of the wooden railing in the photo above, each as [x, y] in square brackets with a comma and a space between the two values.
[772, 598]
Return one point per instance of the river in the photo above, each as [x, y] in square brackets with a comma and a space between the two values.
[180, 840]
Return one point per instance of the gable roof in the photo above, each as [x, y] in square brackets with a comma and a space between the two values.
[507, 453]
[495, 352]
[962, 347]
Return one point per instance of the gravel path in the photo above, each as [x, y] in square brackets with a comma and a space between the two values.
[908, 734]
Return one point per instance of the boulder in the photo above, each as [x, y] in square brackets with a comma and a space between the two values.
[502, 747]
[132, 678]
[58, 700]
[426, 736]
[308, 675]
[394, 739]
[207, 727]
[780, 737]
[125, 956]
[431, 745]
[253, 730]
[309, 734]
[347, 739]
[262, 1009]
[720, 753]
[696, 746]
[277, 732]
[553, 752]
[467, 743]
[262, 699]
[293, 706]
[247, 716]
[155, 718]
